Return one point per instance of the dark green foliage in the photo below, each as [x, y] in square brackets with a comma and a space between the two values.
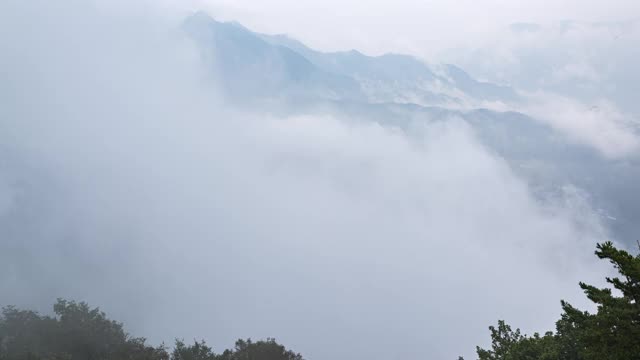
[507, 344]
[244, 350]
[197, 351]
[260, 350]
[78, 332]
[612, 333]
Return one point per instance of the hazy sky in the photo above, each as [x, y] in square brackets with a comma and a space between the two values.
[125, 181]
[423, 28]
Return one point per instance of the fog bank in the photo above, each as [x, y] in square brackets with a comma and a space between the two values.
[126, 182]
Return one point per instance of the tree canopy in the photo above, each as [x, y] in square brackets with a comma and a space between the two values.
[80, 332]
[611, 333]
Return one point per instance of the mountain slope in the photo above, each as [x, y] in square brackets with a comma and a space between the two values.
[251, 67]
[259, 65]
[401, 78]
[401, 91]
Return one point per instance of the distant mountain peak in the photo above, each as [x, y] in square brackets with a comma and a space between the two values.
[273, 64]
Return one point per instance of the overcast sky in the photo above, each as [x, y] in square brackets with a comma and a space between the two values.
[421, 27]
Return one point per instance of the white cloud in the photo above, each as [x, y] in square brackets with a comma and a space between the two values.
[572, 67]
[422, 28]
[184, 218]
[600, 125]
[587, 61]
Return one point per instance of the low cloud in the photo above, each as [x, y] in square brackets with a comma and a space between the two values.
[137, 190]
[587, 61]
[600, 125]
[421, 28]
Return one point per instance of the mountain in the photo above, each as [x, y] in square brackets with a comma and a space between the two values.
[402, 92]
[249, 66]
[401, 78]
[479, 89]
[284, 66]
[584, 60]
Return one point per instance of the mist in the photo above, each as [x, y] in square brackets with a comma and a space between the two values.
[128, 182]
[426, 29]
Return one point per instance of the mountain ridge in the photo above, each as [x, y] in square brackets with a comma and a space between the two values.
[334, 75]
